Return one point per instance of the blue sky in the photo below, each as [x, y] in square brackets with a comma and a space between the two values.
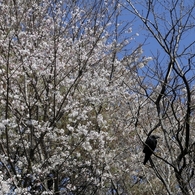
[139, 34]
[150, 46]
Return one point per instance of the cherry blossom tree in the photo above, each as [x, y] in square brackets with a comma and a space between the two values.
[65, 95]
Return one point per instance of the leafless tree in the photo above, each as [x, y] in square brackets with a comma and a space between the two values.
[169, 88]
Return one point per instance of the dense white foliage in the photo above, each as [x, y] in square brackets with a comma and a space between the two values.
[64, 91]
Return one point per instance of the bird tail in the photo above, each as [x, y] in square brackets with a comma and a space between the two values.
[146, 159]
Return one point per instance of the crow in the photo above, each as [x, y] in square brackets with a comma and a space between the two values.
[149, 147]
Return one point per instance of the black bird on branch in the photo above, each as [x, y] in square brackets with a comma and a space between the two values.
[149, 147]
